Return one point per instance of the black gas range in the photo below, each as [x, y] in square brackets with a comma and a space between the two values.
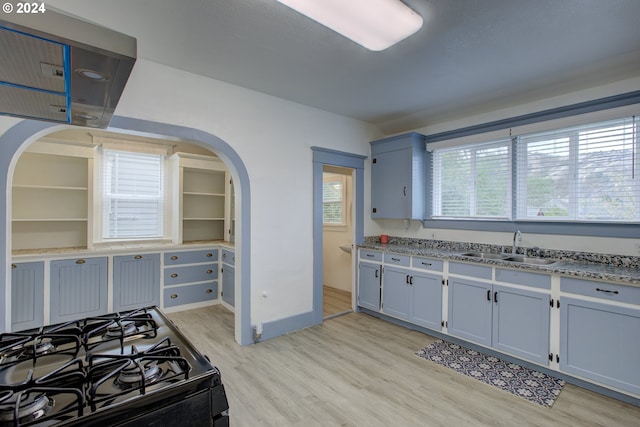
[133, 368]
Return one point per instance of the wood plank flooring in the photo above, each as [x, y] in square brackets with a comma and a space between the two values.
[356, 370]
[335, 301]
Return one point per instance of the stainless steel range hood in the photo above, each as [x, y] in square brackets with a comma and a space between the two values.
[58, 68]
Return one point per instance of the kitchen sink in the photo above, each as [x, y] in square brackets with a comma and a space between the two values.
[530, 260]
[484, 255]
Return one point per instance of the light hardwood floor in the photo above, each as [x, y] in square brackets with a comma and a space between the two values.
[356, 370]
[335, 301]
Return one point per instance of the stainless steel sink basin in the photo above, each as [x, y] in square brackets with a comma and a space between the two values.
[530, 260]
[484, 255]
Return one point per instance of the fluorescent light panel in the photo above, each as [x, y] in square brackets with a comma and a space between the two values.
[374, 24]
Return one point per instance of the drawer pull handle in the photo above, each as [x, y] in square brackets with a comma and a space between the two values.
[607, 291]
[209, 291]
[370, 255]
[137, 257]
[488, 294]
[174, 275]
[209, 271]
[174, 257]
[209, 255]
[14, 266]
[174, 296]
[80, 261]
[395, 259]
[426, 263]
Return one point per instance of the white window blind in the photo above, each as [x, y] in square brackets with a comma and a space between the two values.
[133, 195]
[583, 173]
[333, 200]
[473, 181]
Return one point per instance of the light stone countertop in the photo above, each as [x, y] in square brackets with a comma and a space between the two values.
[608, 268]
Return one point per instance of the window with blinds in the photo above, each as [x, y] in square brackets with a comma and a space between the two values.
[133, 195]
[582, 173]
[333, 200]
[473, 181]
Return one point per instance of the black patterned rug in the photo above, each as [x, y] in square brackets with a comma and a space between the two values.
[529, 384]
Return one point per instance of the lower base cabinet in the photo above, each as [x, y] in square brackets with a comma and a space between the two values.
[136, 281]
[27, 295]
[228, 259]
[512, 320]
[369, 276]
[601, 342]
[78, 288]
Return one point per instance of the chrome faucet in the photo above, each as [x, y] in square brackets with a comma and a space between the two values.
[517, 237]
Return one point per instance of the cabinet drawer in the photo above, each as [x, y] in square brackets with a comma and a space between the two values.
[396, 259]
[518, 277]
[370, 255]
[192, 273]
[427, 263]
[471, 270]
[190, 294]
[608, 291]
[228, 257]
[190, 257]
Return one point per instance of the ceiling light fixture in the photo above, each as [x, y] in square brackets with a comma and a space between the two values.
[374, 24]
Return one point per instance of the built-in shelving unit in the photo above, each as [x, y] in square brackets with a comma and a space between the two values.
[203, 215]
[51, 190]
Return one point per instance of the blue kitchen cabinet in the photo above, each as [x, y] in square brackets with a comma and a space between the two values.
[470, 310]
[601, 341]
[521, 323]
[27, 295]
[396, 292]
[228, 277]
[136, 281]
[369, 276]
[412, 296]
[398, 174]
[78, 288]
[426, 300]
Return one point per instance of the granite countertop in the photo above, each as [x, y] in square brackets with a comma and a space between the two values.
[611, 268]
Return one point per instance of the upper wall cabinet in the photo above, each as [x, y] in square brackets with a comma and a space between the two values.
[398, 170]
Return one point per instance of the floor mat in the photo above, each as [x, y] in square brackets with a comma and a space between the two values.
[527, 383]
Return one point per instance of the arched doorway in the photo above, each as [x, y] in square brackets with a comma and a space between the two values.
[27, 131]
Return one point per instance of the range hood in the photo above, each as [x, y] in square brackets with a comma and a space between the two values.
[59, 68]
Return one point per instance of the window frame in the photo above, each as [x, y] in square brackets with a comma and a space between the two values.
[596, 110]
[334, 177]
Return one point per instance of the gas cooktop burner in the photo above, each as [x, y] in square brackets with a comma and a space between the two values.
[27, 407]
[120, 330]
[134, 373]
[39, 346]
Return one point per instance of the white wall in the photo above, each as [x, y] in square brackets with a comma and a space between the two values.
[273, 137]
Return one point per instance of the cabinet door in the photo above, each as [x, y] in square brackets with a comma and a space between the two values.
[601, 342]
[396, 292]
[391, 185]
[426, 301]
[78, 288]
[136, 281]
[27, 295]
[369, 285]
[470, 309]
[521, 323]
[228, 284]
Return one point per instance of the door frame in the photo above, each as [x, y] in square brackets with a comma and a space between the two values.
[322, 157]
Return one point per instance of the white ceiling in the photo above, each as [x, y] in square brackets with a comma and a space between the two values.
[469, 56]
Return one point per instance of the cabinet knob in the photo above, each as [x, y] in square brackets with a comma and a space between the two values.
[174, 296]
[80, 261]
[174, 257]
[174, 275]
[224, 256]
[209, 291]
[137, 257]
[14, 266]
[209, 271]
[209, 255]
